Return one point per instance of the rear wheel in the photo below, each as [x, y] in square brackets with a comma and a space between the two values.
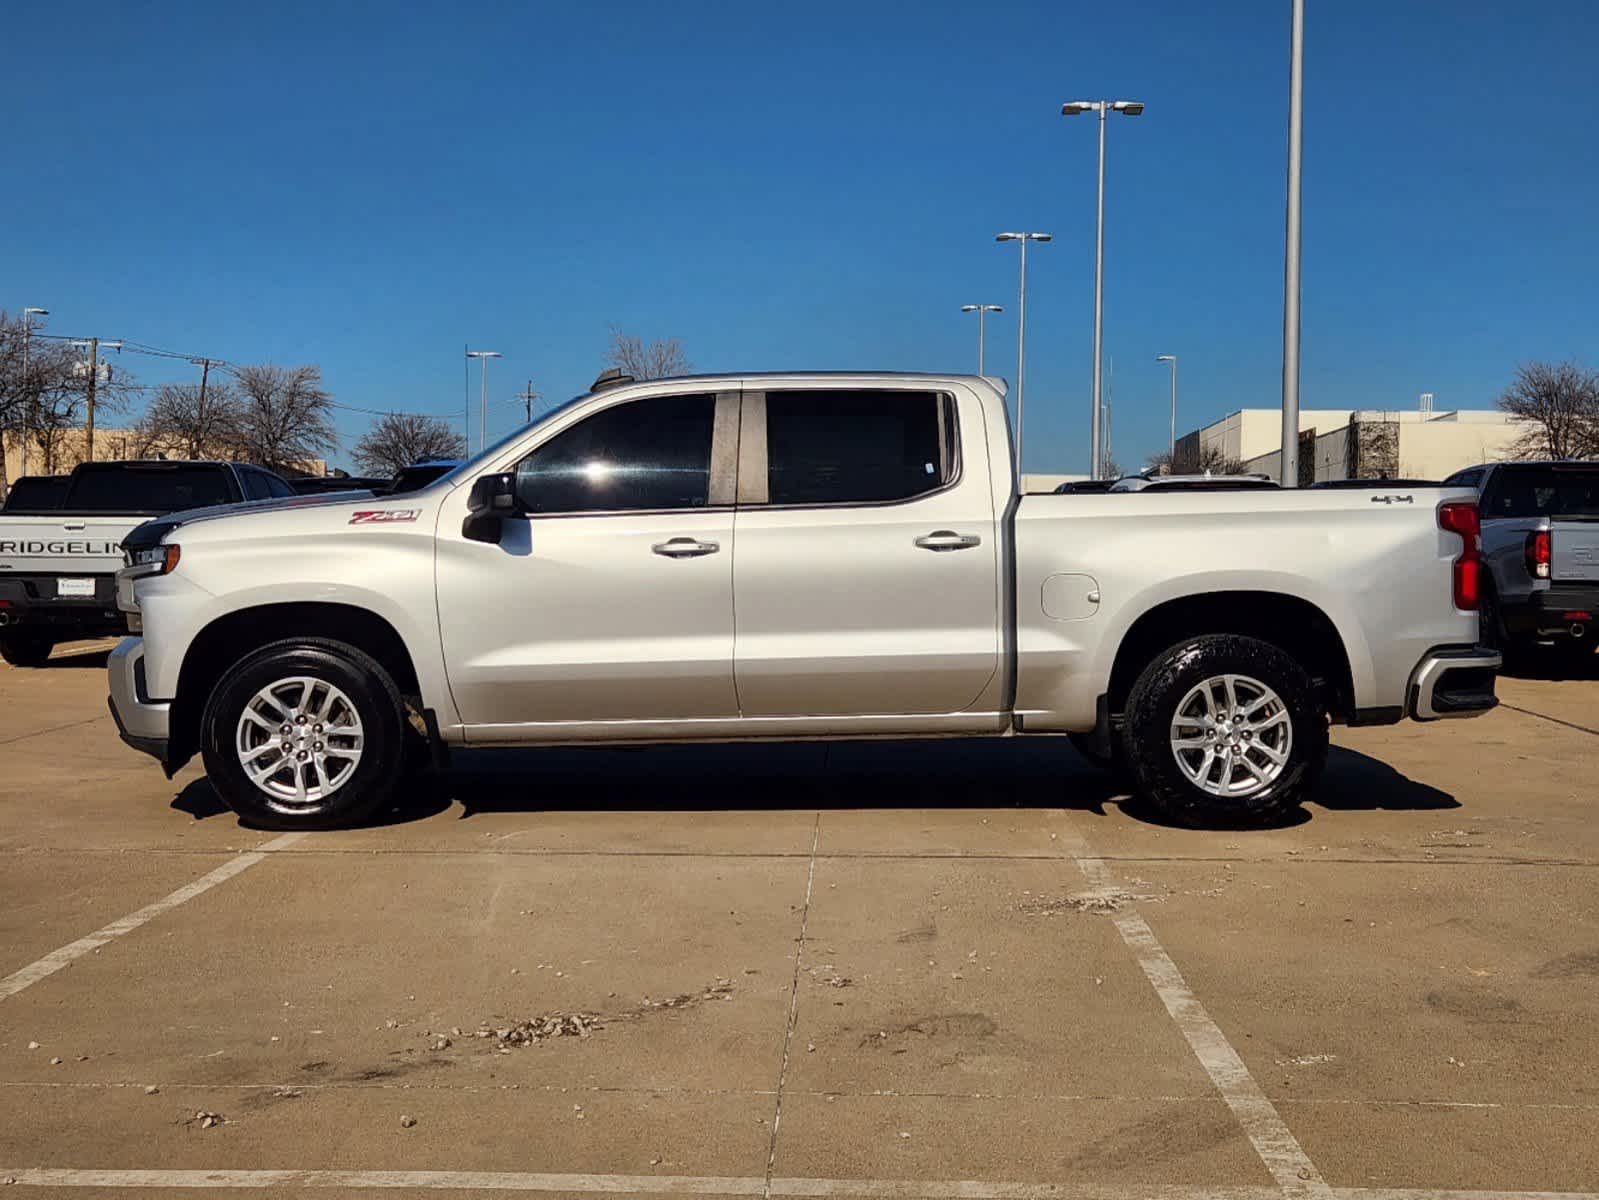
[1224, 731]
[304, 734]
[26, 649]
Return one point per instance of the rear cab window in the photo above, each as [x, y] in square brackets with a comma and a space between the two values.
[157, 488]
[1569, 491]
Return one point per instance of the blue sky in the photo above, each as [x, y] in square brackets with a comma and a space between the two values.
[369, 186]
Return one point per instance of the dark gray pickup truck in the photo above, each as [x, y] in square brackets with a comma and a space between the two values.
[1540, 545]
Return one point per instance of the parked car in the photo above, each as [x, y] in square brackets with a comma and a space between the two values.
[1083, 487]
[577, 583]
[321, 485]
[1540, 545]
[1191, 483]
[35, 493]
[58, 561]
[419, 475]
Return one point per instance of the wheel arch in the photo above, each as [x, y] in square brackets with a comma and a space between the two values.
[1292, 623]
[232, 636]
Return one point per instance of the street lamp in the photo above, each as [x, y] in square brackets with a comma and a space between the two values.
[1288, 460]
[1021, 327]
[981, 310]
[1171, 361]
[27, 405]
[1128, 108]
[483, 357]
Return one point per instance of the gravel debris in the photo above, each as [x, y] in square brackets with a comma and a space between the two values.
[543, 1028]
[207, 1120]
[1100, 902]
[151, 1090]
[406, 1122]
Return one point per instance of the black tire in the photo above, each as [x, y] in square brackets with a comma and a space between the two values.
[26, 649]
[1490, 626]
[370, 782]
[1153, 703]
[1115, 762]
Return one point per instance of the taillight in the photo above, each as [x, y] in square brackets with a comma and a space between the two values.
[1538, 554]
[1462, 518]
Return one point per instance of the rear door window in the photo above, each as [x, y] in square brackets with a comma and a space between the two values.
[255, 485]
[857, 446]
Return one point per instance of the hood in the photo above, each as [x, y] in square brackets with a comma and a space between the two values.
[153, 531]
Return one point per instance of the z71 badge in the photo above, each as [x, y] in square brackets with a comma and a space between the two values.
[382, 516]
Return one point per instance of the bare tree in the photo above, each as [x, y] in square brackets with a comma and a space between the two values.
[397, 440]
[655, 360]
[179, 423]
[1560, 403]
[46, 402]
[1190, 460]
[286, 416]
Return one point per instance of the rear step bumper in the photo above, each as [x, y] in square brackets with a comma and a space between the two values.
[1454, 682]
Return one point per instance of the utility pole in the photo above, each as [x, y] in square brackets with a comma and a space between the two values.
[205, 371]
[88, 420]
[93, 345]
[527, 399]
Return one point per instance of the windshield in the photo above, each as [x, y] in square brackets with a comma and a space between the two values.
[1557, 490]
[471, 466]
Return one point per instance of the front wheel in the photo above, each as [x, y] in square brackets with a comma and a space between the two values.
[1225, 731]
[304, 734]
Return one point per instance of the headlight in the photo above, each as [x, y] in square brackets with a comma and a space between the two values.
[164, 557]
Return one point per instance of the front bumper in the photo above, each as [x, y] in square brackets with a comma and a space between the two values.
[144, 724]
[1453, 681]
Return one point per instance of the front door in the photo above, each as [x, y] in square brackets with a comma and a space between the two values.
[868, 557]
[613, 599]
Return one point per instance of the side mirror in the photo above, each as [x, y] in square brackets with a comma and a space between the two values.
[493, 498]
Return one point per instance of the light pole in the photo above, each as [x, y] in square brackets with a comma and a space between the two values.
[1021, 327]
[27, 405]
[1072, 108]
[1289, 476]
[1171, 361]
[981, 310]
[483, 357]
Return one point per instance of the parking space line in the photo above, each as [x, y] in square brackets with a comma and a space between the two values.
[793, 1010]
[1267, 1132]
[1546, 717]
[66, 955]
[713, 1185]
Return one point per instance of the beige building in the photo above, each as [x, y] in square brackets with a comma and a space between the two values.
[1364, 443]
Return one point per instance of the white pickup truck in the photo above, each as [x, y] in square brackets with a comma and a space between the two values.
[791, 556]
[60, 542]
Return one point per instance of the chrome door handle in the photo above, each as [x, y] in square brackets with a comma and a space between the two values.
[948, 539]
[685, 547]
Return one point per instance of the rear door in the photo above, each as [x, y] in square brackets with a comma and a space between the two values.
[866, 578]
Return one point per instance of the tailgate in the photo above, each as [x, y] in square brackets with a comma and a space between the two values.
[63, 545]
[1574, 547]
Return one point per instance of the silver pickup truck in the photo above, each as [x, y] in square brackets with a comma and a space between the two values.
[61, 546]
[791, 556]
[1540, 549]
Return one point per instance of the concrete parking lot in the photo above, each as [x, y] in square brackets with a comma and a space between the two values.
[945, 970]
